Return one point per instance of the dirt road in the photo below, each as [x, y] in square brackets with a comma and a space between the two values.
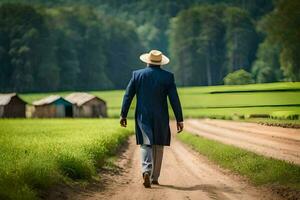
[185, 175]
[277, 142]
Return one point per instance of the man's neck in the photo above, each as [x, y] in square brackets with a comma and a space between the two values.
[151, 65]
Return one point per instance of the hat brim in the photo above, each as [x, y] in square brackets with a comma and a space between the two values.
[146, 59]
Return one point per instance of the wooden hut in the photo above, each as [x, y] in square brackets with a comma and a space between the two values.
[12, 106]
[87, 105]
[52, 106]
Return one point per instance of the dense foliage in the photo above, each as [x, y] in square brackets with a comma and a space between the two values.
[94, 44]
[64, 48]
[209, 41]
[239, 77]
[282, 29]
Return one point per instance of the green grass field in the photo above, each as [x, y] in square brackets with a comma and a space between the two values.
[37, 153]
[258, 169]
[216, 101]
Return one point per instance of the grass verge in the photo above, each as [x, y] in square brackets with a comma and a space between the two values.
[199, 102]
[36, 154]
[258, 169]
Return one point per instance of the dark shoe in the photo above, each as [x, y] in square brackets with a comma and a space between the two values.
[146, 178]
[155, 183]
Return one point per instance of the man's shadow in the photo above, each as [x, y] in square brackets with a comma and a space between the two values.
[211, 189]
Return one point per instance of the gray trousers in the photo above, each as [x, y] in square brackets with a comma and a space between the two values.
[151, 159]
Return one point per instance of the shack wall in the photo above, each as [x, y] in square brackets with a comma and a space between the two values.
[16, 108]
[46, 111]
[94, 108]
[1, 111]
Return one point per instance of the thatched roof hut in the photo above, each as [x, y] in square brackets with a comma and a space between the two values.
[12, 106]
[87, 105]
[52, 106]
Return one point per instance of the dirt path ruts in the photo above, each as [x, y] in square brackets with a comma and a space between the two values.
[185, 175]
[277, 142]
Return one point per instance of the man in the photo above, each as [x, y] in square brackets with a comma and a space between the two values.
[151, 86]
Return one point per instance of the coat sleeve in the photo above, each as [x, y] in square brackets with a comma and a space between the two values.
[129, 94]
[174, 100]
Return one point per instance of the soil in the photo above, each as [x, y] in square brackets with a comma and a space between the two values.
[277, 142]
[185, 175]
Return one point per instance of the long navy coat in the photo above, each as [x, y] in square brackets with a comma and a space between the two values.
[151, 86]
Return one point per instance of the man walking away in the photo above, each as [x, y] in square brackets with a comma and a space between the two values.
[152, 85]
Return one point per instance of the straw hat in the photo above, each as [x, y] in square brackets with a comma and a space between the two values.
[154, 57]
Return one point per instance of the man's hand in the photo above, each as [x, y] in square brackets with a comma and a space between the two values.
[179, 127]
[123, 122]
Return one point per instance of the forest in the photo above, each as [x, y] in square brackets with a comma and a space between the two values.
[65, 45]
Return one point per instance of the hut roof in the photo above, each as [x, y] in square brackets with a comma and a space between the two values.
[80, 98]
[49, 100]
[5, 98]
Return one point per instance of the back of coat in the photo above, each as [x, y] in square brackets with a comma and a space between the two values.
[152, 86]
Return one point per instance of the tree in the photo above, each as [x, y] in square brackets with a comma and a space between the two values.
[183, 47]
[5, 69]
[282, 27]
[24, 46]
[210, 43]
[241, 39]
[266, 67]
[94, 44]
[149, 35]
[197, 46]
[122, 50]
[239, 77]
[67, 60]
[92, 60]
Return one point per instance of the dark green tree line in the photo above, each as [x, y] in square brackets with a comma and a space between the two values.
[94, 44]
[241, 39]
[25, 45]
[211, 41]
[282, 31]
[64, 48]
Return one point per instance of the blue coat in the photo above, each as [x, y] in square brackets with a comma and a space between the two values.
[151, 86]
